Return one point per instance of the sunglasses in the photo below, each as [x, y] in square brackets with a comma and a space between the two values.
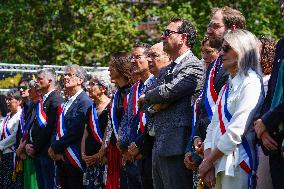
[168, 32]
[23, 88]
[226, 48]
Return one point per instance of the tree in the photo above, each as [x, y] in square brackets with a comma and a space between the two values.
[84, 32]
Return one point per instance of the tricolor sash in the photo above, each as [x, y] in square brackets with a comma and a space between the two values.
[125, 102]
[142, 116]
[113, 115]
[211, 95]
[194, 114]
[40, 114]
[5, 132]
[71, 152]
[94, 124]
[244, 149]
[22, 122]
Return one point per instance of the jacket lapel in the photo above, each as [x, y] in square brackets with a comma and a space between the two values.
[74, 103]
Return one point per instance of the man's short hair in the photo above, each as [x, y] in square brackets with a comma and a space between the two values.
[80, 71]
[231, 17]
[188, 28]
[145, 46]
[49, 74]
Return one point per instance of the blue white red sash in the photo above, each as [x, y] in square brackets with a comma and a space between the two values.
[71, 152]
[194, 114]
[135, 98]
[211, 95]
[40, 114]
[5, 132]
[225, 116]
[22, 122]
[142, 116]
[94, 124]
[125, 102]
[113, 115]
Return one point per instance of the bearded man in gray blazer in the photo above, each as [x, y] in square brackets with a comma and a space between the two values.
[172, 125]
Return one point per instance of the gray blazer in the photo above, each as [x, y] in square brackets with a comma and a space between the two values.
[173, 125]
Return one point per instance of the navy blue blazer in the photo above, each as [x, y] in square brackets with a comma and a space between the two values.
[74, 120]
[272, 118]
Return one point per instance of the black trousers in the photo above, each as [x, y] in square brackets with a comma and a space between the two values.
[69, 177]
[146, 173]
[277, 170]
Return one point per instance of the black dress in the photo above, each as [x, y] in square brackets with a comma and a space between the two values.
[94, 173]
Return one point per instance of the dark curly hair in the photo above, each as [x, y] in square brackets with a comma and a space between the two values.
[188, 28]
[267, 54]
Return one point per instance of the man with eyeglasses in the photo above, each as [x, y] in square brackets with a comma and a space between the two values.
[132, 125]
[172, 125]
[269, 127]
[65, 149]
[222, 20]
[42, 127]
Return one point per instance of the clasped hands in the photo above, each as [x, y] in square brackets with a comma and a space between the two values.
[96, 158]
[206, 169]
[54, 156]
[188, 158]
[262, 133]
[155, 107]
[132, 153]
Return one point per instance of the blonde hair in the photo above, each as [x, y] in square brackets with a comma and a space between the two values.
[246, 46]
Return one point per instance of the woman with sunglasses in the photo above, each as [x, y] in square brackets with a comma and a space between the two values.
[229, 145]
[27, 117]
[9, 167]
[92, 140]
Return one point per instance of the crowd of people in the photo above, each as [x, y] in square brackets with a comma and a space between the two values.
[167, 121]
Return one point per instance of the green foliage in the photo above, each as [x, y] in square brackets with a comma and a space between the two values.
[83, 32]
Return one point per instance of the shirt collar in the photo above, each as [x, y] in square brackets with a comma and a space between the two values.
[46, 95]
[72, 98]
[236, 81]
[179, 59]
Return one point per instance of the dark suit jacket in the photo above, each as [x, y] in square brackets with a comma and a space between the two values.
[173, 125]
[42, 136]
[272, 118]
[74, 120]
[202, 120]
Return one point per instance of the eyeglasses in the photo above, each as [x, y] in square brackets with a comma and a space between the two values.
[168, 32]
[153, 55]
[136, 57]
[70, 75]
[226, 48]
[207, 51]
[92, 83]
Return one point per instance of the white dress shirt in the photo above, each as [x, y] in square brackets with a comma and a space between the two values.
[71, 100]
[9, 141]
[244, 95]
[179, 59]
